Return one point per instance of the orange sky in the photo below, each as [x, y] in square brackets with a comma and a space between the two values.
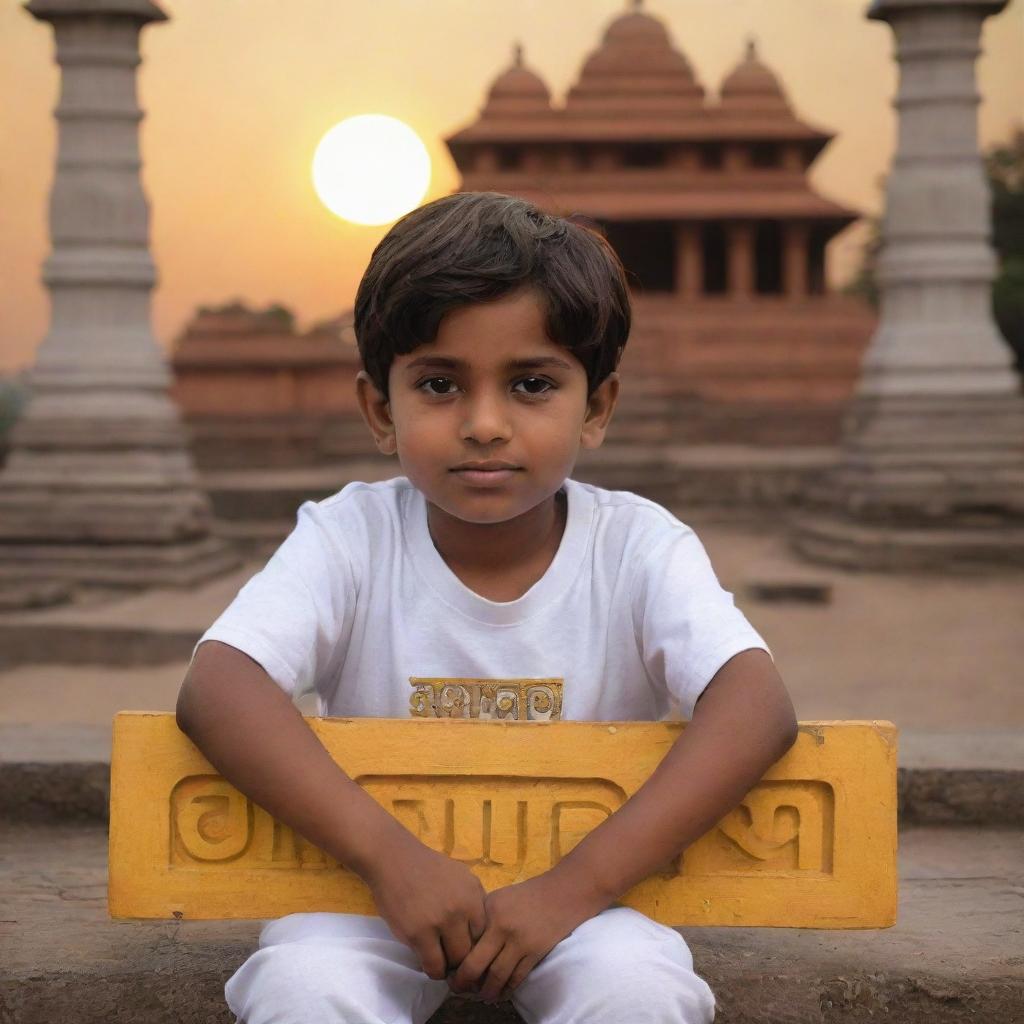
[238, 93]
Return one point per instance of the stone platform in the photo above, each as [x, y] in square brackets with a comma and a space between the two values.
[932, 654]
[58, 773]
[938, 656]
[956, 954]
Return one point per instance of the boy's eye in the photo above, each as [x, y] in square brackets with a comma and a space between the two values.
[438, 386]
[533, 385]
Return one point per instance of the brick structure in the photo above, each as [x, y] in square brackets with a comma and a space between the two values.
[255, 392]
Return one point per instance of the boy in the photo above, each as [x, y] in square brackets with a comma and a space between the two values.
[490, 333]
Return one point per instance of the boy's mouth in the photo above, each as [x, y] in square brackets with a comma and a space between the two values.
[491, 471]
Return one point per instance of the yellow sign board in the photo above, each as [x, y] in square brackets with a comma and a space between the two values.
[813, 845]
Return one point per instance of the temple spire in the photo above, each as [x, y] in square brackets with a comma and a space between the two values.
[517, 55]
[751, 47]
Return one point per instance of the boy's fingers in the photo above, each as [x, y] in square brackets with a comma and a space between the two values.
[457, 942]
[477, 961]
[431, 956]
[499, 973]
[478, 924]
[518, 976]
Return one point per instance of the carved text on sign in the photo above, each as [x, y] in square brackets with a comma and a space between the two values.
[778, 828]
[503, 826]
[515, 700]
[489, 821]
[212, 823]
[500, 823]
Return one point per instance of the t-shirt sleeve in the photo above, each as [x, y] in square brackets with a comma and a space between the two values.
[687, 625]
[293, 615]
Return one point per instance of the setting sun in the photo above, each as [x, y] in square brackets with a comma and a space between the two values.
[371, 169]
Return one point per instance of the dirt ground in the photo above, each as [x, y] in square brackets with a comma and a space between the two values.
[928, 652]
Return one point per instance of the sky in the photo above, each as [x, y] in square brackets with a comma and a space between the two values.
[238, 93]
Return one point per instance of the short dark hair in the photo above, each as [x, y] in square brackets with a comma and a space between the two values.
[477, 246]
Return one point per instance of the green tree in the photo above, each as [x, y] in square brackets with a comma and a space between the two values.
[1005, 166]
[13, 394]
[865, 283]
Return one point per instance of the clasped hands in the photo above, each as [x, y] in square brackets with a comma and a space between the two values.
[483, 943]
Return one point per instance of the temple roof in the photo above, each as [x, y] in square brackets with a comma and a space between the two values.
[517, 91]
[751, 87]
[636, 87]
[635, 68]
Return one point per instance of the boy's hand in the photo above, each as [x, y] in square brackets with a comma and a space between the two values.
[524, 923]
[433, 904]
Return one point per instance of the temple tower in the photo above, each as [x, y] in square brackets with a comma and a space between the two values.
[99, 487]
[932, 471]
[736, 337]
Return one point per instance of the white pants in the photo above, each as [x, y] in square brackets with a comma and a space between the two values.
[350, 969]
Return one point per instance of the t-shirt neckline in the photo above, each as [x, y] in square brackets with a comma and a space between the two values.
[556, 579]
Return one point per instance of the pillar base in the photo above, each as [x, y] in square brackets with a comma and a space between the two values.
[924, 482]
[890, 548]
[114, 517]
[127, 566]
[131, 518]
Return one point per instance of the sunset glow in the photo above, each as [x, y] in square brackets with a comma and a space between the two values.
[371, 169]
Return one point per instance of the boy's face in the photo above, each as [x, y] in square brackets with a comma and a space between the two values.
[487, 420]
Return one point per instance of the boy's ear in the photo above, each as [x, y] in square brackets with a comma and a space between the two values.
[377, 413]
[600, 406]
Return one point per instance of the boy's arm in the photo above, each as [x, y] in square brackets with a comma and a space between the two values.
[742, 724]
[254, 736]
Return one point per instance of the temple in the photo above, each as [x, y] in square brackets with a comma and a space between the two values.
[736, 335]
[736, 338]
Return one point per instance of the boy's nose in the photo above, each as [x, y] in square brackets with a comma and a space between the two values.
[486, 420]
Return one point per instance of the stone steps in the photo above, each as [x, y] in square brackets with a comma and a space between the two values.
[957, 953]
[52, 788]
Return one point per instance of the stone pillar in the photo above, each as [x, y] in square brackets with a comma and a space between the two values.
[735, 158]
[99, 487]
[689, 261]
[685, 157]
[486, 160]
[794, 245]
[793, 160]
[932, 464]
[740, 239]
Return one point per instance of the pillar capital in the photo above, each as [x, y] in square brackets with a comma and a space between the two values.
[887, 10]
[142, 11]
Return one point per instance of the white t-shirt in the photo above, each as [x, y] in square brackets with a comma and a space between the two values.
[358, 605]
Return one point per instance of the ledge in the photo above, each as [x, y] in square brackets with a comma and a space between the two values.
[62, 773]
[63, 959]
